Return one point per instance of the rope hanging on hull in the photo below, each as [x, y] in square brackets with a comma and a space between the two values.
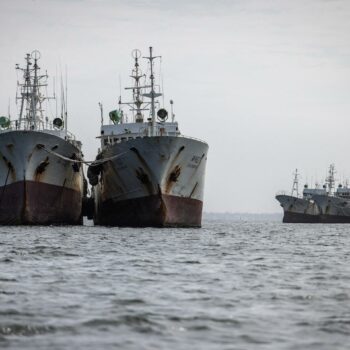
[87, 162]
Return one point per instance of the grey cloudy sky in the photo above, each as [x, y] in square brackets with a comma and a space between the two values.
[265, 83]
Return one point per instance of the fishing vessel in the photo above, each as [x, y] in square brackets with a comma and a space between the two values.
[334, 205]
[147, 173]
[297, 208]
[41, 178]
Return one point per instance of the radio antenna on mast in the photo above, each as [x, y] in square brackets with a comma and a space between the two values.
[295, 187]
[101, 111]
[54, 93]
[120, 87]
[66, 106]
[152, 94]
[9, 109]
[161, 80]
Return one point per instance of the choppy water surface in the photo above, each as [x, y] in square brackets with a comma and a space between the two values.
[226, 286]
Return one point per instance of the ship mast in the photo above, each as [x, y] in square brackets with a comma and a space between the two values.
[295, 187]
[137, 104]
[136, 89]
[30, 95]
[152, 95]
[35, 97]
[330, 179]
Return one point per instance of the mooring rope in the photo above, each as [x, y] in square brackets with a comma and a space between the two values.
[87, 162]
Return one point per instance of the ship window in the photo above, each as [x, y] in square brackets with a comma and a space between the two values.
[115, 139]
[105, 142]
[123, 138]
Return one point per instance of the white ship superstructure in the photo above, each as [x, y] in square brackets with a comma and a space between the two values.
[37, 184]
[152, 174]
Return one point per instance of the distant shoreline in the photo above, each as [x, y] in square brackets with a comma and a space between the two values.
[208, 216]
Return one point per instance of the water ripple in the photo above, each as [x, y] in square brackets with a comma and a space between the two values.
[235, 285]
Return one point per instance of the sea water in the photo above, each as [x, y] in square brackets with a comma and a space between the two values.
[228, 285]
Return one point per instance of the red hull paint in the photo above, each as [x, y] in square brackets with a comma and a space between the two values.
[151, 211]
[37, 203]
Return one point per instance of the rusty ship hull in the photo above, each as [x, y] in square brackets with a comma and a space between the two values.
[299, 210]
[156, 181]
[37, 187]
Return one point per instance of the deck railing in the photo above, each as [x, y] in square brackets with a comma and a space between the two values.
[40, 126]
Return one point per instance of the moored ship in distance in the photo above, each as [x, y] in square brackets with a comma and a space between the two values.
[334, 205]
[41, 178]
[151, 174]
[300, 209]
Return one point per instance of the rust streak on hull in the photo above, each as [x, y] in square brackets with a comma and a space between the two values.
[155, 210]
[37, 203]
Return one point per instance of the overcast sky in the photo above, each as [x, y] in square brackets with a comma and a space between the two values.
[265, 83]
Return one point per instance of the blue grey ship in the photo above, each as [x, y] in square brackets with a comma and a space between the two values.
[41, 180]
[334, 205]
[297, 208]
[147, 173]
